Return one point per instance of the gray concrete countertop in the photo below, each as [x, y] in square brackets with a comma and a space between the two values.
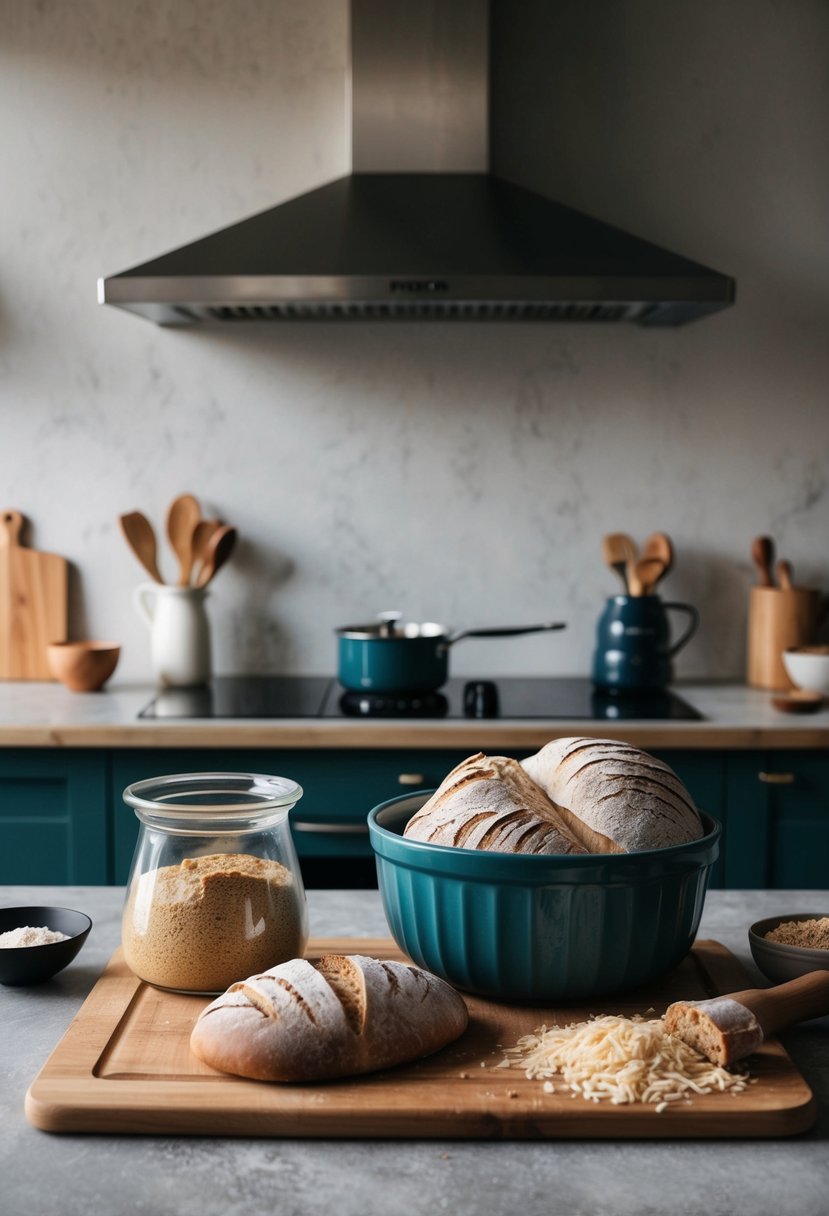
[42, 714]
[67, 1175]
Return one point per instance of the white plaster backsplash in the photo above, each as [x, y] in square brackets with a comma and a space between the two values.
[460, 473]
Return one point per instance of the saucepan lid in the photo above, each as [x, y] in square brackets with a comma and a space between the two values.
[389, 625]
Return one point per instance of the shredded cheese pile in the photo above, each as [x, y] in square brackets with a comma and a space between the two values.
[620, 1060]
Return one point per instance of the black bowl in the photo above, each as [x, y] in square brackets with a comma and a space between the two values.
[33, 964]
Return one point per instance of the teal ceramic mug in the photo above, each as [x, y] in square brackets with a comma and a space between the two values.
[634, 643]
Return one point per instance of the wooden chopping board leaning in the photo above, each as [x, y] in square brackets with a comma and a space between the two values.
[33, 603]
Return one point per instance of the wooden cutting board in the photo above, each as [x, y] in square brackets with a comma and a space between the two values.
[124, 1065]
[33, 603]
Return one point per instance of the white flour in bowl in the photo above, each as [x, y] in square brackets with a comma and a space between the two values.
[27, 936]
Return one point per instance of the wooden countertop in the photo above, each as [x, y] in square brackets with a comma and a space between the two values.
[35, 714]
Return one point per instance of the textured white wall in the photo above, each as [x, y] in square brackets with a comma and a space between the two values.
[463, 474]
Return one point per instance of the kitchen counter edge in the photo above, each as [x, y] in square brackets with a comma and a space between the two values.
[40, 714]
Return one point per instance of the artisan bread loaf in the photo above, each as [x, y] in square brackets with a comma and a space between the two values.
[490, 802]
[612, 797]
[336, 1016]
[574, 796]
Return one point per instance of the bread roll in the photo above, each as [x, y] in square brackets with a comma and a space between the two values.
[612, 797]
[334, 1017]
[720, 1029]
[489, 802]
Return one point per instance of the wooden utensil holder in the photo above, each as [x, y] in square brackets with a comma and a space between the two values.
[778, 620]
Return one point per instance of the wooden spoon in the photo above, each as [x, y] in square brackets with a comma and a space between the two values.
[644, 574]
[762, 554]
[217, 551]
[785, 574]
[182, 517]
[619, 551]
[140, 536]
[659, 545]
[202, 532]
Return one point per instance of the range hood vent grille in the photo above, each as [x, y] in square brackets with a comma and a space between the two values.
[432, 310]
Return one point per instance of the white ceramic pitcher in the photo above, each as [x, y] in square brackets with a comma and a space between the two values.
[179, 632]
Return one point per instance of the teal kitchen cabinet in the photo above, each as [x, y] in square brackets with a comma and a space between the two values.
[63, 819]
[788, 808]
[54, 816]
[329, 822]
[341, 786]
[704, 776]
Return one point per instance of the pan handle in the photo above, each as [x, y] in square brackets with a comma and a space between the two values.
[506, 631]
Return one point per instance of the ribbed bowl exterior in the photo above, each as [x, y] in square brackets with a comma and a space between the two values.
[539, 928]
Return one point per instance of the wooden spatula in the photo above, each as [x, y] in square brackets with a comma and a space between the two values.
[644, 574]
[762, 554]
[182, 518]
[201, 536]
[727, 1028]
[217, 551]
[140, 536]
[659, 545]
[785, 574]
[619, 551]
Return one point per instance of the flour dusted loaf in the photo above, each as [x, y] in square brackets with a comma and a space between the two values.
[614, 797]
[336, 1016]
[574, 796]
[490, 802]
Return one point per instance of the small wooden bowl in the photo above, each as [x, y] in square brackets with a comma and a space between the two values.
[83, 666]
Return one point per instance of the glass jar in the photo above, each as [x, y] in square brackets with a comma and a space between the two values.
[215, 892]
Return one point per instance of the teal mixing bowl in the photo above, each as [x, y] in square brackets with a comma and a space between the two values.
[539, 928]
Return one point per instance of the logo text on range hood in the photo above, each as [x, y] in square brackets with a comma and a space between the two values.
[420, 230]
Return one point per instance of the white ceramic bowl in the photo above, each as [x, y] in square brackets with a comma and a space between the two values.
[808, 667]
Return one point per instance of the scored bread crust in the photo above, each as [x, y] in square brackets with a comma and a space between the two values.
[490, 802]
[337, 1016]
[614, 797]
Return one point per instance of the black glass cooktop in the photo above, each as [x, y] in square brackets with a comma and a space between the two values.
[569, 697]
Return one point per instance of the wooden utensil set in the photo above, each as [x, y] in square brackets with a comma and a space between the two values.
[781, 616]
[201, 546]
[640, 572]
[770, 573]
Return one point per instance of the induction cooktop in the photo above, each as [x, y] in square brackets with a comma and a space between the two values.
[267, 696]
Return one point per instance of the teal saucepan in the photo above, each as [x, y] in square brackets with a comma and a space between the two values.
[404, 657]
[519, 927]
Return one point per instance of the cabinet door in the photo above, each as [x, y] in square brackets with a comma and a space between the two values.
[796, 786]
[703, 775]
[747, 816]
[54, 816]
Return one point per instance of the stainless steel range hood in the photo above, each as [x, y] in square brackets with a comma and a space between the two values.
[420, 230]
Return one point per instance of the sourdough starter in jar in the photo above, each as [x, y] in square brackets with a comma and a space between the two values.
[203, 924]
[215, 893]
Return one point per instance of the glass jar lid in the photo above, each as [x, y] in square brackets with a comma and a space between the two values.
[212, 801]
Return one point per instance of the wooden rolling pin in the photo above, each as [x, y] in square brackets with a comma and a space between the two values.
[727, 1028]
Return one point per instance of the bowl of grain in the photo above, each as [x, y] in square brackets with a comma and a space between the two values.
[785, 947]
[38, 942]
